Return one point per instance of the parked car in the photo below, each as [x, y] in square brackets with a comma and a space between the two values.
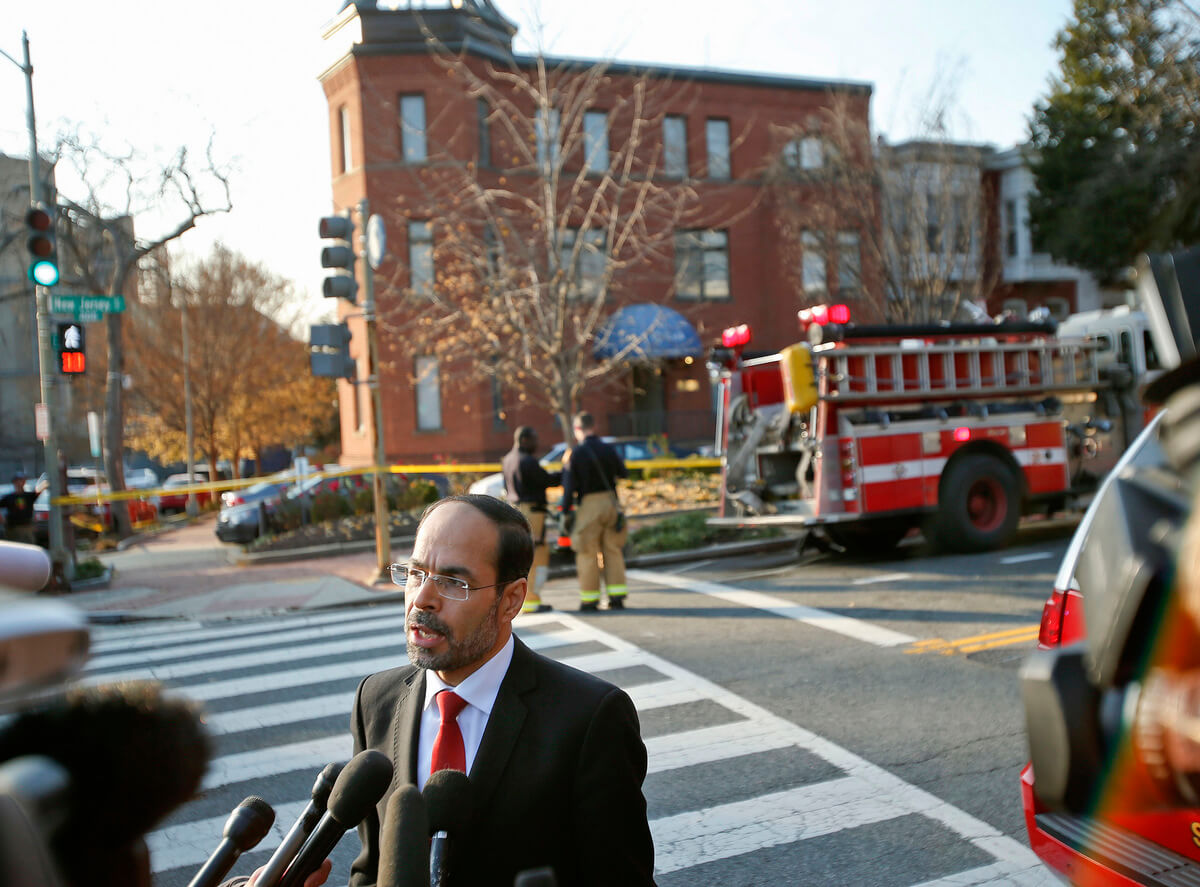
[176, 502]
[239, 518]
[255, 492]
[630, 449]
[1114, 843]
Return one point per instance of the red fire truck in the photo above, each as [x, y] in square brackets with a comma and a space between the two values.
[863, 433]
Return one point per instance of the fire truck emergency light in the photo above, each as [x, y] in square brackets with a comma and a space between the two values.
[962, 435]
[736, 336]
[822, 315]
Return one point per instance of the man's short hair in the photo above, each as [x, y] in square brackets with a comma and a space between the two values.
[514, 553]
[523, 433]
[585, 422]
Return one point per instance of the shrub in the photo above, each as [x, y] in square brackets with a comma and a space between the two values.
[418, 494]
[364, 502]
[328, 505]
[89, 568]
[286, 517]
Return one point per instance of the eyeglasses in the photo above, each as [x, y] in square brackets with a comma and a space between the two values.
[446, 586]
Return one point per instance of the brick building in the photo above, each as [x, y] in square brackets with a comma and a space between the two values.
[404, 119]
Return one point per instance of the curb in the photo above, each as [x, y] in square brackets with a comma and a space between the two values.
[246, 558]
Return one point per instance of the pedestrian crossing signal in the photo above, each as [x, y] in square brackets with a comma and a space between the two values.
[72, 356]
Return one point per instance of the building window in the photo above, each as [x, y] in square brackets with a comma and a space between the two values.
[429, 394]
[1010, 228]
[702, 265]
[547, 138]
[588, 273]
[849, 261]
[806, 153]
[716, 137]
[343, 139]
[485, 134]
[420, 257]
[812, 263]
[595, 141]
[675, 159]
[412, 128]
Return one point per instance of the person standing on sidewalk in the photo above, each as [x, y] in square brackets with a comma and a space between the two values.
[598, 526]
[18, 511]
[526, 482]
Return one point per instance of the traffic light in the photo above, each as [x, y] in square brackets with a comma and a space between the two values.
[43, 254]
[339, 256]
[72, 357]
[329, 351]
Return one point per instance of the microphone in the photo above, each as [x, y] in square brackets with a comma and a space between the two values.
[404, 840]
[543, 877]
[358, 788]
[246, 826]
[126, 741]
[292, 841]
[23, 567]
[449, 802]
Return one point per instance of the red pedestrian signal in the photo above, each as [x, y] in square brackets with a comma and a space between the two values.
[72, 356]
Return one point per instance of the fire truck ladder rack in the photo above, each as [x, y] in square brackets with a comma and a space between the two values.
[954, 369]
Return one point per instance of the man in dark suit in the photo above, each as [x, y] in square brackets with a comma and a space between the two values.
[554, 755]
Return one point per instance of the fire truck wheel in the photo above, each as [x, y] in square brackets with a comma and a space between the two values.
[978, 504]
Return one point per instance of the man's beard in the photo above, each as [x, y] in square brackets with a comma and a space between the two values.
[460, 652]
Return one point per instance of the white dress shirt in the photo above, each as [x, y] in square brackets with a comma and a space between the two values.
[479, 689]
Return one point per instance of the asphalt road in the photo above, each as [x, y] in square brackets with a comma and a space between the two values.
[870, 709]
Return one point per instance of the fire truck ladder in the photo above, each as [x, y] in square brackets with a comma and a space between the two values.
[924, 369]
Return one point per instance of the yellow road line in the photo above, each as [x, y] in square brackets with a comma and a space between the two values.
[977, 642]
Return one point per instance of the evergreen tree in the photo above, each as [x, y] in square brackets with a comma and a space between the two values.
[1116, 140]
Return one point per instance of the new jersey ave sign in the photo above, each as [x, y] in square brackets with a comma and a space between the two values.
[86, 308]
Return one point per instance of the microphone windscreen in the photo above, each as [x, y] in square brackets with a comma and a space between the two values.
[404, 840]
[249, 823]
[132, 753]
[23, 567]
[326, 779]
[448, 800]
[359, 787]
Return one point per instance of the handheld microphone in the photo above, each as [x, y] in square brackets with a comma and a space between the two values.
[448, 798]
[301, 829]
[246, 826]
[358, 788]
[128, 741]
[23, 567]
[404, 840]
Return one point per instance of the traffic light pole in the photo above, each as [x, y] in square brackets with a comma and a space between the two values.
[383, 540]
[58, 554]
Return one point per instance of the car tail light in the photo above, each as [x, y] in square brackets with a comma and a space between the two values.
[1054, 613]
[237, 500]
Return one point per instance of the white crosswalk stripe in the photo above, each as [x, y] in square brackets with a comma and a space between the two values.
[279, 695]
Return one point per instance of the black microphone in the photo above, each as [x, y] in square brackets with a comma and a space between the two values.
[448, 798]
[128, 742]
[301, 829]
[246, 826]
[543, 877]
[358, 788]
[404, 840]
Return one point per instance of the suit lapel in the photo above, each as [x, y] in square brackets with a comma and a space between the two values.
[406, 727]
[504, 725]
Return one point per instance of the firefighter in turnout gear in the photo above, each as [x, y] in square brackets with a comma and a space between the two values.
[526, 482]
[598, 526]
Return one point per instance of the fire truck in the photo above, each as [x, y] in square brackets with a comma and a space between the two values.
[863, 433]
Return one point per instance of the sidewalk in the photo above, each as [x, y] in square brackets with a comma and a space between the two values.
[185, 572]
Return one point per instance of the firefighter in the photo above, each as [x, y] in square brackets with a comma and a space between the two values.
[526, 482]
[597, 527]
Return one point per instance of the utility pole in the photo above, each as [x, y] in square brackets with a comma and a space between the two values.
[63, 566]
[383, 540]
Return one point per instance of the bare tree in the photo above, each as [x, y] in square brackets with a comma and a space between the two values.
[100, 245]
[899, 229]
[577, 208]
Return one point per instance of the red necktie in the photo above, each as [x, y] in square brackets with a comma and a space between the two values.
[449, 753]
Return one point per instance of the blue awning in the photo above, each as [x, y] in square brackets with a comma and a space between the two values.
[647, 332]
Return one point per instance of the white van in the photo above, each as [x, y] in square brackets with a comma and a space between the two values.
[1123, 335]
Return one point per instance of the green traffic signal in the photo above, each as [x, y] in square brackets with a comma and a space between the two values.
[43, 269]
[44, 272]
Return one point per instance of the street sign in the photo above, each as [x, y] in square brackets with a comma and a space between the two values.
[87, 309]
[376, 241]
[41, 421]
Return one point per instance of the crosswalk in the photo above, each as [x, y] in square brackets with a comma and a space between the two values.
[736, 794]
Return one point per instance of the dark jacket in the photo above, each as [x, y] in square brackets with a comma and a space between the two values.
[594, 467]
[557, 779]
[525, 480]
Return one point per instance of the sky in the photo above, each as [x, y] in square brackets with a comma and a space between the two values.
[158, 76]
